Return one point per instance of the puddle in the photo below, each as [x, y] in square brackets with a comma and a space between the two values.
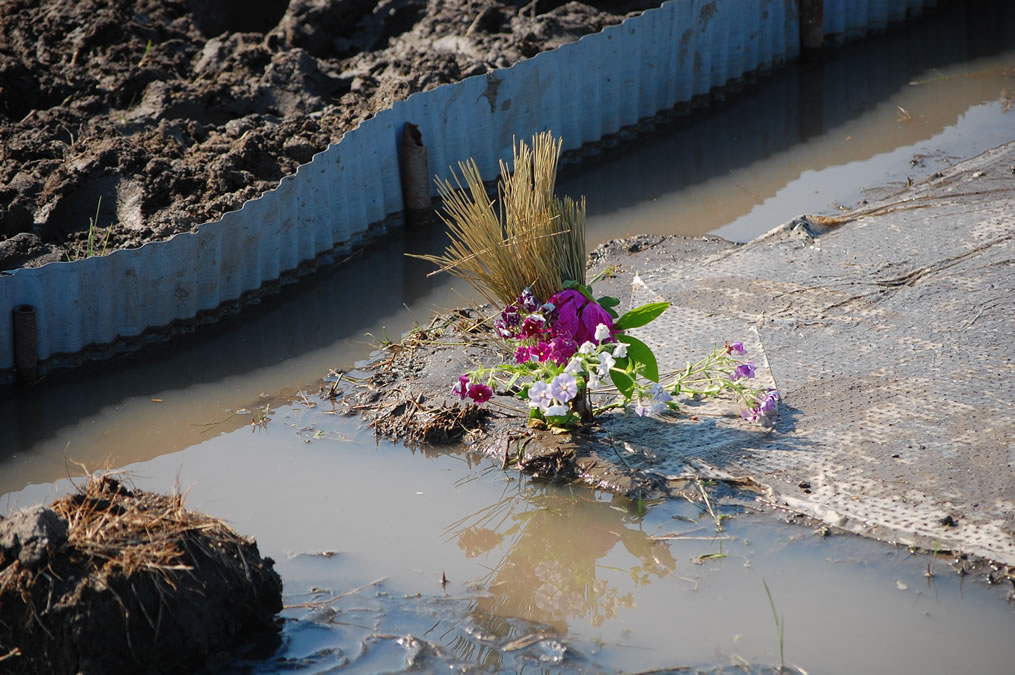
[604, 587]
[523, 559]
[813, 135]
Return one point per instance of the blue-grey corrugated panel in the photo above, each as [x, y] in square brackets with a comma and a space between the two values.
[582, 92]
[846, 20]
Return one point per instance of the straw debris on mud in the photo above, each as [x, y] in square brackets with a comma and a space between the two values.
[113, 579]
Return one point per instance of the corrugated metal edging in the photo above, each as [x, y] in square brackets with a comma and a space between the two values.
[847, 20]
[583, 92]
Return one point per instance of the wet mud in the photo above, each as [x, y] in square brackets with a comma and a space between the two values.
[125, 122]
[111, 579]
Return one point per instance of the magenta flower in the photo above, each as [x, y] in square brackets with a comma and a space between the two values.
[562, 349]
[462, 386]
[522, 354]
[744, 370]
[579, 316]
[532, 326]
[480, 393]
[542, 350]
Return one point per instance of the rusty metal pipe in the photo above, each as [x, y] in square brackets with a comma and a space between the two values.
[415, 173]
[812, 26]
[26, 349]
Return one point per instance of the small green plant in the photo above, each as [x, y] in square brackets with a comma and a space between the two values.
[147, 51]
[93, 224]
[260, 418]
[780, 626]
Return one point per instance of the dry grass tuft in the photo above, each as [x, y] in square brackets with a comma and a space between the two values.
[530, 238]
[129, 531]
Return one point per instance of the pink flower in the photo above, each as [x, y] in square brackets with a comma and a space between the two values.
[542, 351]
[579, 316]
[480, 393]
[532, 326]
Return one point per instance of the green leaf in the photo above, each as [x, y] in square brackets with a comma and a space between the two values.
[623, 382]
[608, 302]
[581, 288]
[639, 352]
[639, 316]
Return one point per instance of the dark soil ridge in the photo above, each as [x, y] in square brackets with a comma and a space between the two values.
[111, 579]
[176, 113]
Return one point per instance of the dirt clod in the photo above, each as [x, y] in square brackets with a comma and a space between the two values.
[111, 579]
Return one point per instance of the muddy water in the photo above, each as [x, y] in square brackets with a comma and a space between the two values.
[605, 587]
[524, 559]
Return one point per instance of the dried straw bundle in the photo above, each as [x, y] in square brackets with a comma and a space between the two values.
[532, 239]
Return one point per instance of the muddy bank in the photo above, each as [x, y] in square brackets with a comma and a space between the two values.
[173, 114]
[408, 395]
[111, 579]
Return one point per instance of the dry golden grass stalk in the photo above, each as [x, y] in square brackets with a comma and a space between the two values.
[139, 531]
[532, 237]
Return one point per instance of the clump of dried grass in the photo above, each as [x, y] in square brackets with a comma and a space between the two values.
[133, 531]
[529, 237]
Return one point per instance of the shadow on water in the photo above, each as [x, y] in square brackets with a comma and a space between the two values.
[290, 339]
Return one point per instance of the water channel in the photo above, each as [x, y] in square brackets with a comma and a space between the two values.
[606, 588]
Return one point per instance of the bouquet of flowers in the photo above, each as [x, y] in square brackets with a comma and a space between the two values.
[574, 345]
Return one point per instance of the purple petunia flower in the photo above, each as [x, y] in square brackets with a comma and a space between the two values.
[511, 316]
[540, 396]
[522, 354]
[736, 348]
[564, 387]
[480, 393]
[503, 330]
[769, 405]
[744, 370]
[528, 300]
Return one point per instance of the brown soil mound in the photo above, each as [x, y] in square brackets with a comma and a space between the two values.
[173, 113]
[117, 580]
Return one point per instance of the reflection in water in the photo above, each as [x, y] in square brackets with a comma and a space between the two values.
[182, 393]
[555, 546]
[720, 165]
[535, 570]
